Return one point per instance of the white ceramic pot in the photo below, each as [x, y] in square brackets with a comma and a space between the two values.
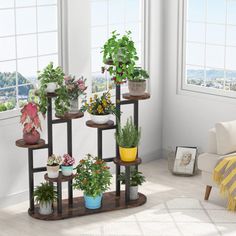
[133, 192]
[66, 170]
[137, 88]
[51, 87]
[45, 208]
[53, 171]
[100, 119]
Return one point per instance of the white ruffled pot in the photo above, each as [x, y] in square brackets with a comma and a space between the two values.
[53, 171]
[133, 192]
[45, 208]
[100, 119]
[51, 87]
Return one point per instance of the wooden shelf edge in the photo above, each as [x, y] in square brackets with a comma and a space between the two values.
[118, 161]
[21, 143]
[135, 98]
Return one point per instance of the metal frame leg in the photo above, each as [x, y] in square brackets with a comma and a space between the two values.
[99, 147]
[59, 198]
[31, 179]
[127, 184]
[70, 193]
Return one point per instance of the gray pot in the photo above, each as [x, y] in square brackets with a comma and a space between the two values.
[137, 88]
[45, 208]
[74, 106]
[133, 192]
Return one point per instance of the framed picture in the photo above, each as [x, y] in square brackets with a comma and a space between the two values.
[185, 158]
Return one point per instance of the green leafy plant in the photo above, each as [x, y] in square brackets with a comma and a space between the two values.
[136, 177]
[93, 176]
[121, 54]
[45, 193]
[139, 74]
[62, 100]
[128, 136]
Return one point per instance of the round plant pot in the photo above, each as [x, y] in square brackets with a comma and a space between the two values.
[51, 87]
[100, 119]
[45, 208]
[128, 154]
[74, 106]
[133, 192]
[137, 88]
[67, 170]
[53, 171]
[93, 202]
[30, 138]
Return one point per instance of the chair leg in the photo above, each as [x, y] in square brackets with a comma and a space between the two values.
[208, 191]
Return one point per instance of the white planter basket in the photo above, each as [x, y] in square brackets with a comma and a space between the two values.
[100, 119]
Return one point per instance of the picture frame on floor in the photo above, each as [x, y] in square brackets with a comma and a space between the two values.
[185, 159]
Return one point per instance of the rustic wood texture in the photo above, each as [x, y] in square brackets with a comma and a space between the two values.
[129, 97]
[207, 193]
[118, 161]
[70, 116]
[91, 124]
[109, 203]
[21, 143]
[61, 178]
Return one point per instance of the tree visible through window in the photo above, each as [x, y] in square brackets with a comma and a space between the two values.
[28, 42]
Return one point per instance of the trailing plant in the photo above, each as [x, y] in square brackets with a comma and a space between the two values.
[45, 193]
[68, 160]
[93, 176]
[139, 74]
[136, 177]
[54, 160]
[121, 54]
[128, 136]
[62, 100]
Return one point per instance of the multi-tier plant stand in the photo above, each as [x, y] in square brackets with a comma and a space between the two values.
[74, 207]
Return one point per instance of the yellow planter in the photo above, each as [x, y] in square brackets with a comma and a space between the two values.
[128, 154]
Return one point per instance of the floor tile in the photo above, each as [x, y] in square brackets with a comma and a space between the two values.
[222, 216]
[184, 203]
[154, 215]
[212, 206]
[227, 229]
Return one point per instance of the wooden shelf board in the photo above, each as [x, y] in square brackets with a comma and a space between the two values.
[21, 143]
[61, 178]
[118, 161]
[91, 124]
[70, 116]
[129, 97]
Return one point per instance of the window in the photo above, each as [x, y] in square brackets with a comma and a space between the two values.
[107, 16]
[28, 42]
[209, 46]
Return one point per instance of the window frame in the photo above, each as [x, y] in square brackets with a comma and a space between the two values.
[62, 55]
[182, 86]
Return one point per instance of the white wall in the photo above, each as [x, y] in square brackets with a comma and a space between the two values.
[14, 160]
[186, 118]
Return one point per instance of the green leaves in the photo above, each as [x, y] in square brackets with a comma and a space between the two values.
[136, 177]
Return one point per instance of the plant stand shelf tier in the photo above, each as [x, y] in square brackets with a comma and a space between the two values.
[109, 124]
[130, 97]
[21, 143]
[70, 116]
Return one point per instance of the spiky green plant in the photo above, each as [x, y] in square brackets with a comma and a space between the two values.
[128, 136]
[45, 193]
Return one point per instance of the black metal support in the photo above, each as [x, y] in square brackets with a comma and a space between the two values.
[49, 119]
[99, 151]
[127, 184]
[59, 197]
[31, 179]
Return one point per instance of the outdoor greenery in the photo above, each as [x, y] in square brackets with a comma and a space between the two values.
[93, 176]
[136, 177]
[128, 136]
[139, 74]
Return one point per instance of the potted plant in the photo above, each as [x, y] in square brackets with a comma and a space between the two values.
[137, 82]
[67, 165]
[30, 120]
[45, 195]
[100, 108]
[128, 139]
[120, 53]
[53, 165]
[94, 178]
[136, 178]
[76, 88]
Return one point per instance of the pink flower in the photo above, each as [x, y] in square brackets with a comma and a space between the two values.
[67, 78]
[82, 87]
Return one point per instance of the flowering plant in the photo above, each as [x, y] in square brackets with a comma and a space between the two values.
[75, 87]
[68, 160]
[30, 118]
[100, 105]
[93, 176]
[54, 160]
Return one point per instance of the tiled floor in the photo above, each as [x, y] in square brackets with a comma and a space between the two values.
[174, 207]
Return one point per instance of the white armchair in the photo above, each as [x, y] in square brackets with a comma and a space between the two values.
[221, 142]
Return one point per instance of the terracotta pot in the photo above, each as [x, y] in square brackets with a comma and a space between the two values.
[137, 88]
[30, 138]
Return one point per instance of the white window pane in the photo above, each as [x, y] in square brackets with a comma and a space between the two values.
[196, 32]
[6, 3]
[215, 56]
[195, 75]
[231, 35]
[45, 60]
[195, 54]
[96, 60]
[215, 78]
[120, 29]
[26, 20]
[47, 43]
[99, 13]
[25, 3]
[8, 98]
[46, 2]
[196, 10]
[231, 12]
[47, 18]
[26, 46]
[7, 22]
[116, 11]
[133, 10]
[99, 36]
[216, 11]
[7, 69]
[138, 46]
[99, 82]
[28, 69]
[231, 58]
[135, 28]
[23, 92]
[215, 34]
[7, 48]
[230, 80]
